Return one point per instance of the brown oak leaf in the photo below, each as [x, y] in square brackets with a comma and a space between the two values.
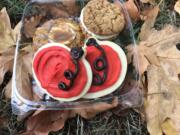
[8, 36]
[43, 122]
[171, 68]
[23, 82]
[29, 25]
[6, 62]
[131, 8]
[162, 103]
[177, 6]
[146, 29]
[90, 111]
[141, 56]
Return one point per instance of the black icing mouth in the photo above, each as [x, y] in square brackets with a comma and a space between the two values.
[100, 63]
[76, 54]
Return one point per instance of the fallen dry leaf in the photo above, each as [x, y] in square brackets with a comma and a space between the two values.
[141, 57]
[6, 33]
[22, 75]
[149, 23]
[16, 30]
[171, 68]
[27, 59]
[131, 8]
[46, 12]
[6, 62]
[45, 122]
[72, 7]
[42, 122]
[177, 6]
[158, 106]
[29, 25]
[8, 89]
[168, 127]
[165, 42]
[159, 44]
[3, 121]
[162, 102]
[89, 111]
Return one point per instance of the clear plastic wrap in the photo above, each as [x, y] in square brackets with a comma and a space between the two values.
[27, 95]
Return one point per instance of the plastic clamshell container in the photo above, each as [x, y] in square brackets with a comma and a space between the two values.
[28, 96]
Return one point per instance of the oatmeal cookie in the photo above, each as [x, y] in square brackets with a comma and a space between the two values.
[102, 18]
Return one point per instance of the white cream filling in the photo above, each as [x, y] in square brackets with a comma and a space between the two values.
[88, 71]
[91, 33]
[122, 75]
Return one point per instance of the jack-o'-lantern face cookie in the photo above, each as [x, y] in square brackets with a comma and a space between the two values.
[109, 66]
[62, 73]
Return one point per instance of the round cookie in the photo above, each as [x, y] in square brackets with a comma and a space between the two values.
[109, 66]
[63, 31]
[63, 74]
[102, 19]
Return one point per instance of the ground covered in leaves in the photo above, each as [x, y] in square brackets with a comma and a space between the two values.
[152, 56]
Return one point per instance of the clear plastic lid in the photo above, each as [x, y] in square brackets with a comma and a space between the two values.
[36, 31]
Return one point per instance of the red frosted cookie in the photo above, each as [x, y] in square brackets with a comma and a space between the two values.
[109, 65]
[62, 73]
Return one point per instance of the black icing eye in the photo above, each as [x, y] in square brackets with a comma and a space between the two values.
[77, 53]
[100, 64]
[69, 74]
[62, 86]
[91, 41]
[97, 79]
[178, 46]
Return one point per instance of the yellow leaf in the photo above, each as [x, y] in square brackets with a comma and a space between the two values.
[177, 6]
[162, 102]
[159, 101]
[6, 33]
[171, 68]
[168, 127]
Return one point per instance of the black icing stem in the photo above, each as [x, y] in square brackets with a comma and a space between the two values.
[100, 63]
[76, 54]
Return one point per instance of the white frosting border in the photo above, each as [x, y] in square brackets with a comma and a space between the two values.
[91, 33]
[122, 76]
[86, 64]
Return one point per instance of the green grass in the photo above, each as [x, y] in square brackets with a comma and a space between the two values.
[167, 15]
[14, 9]
[107, 123]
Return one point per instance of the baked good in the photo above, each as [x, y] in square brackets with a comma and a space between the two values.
[63, 74]
[102, 19]
[62, 31]
[109, 66]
